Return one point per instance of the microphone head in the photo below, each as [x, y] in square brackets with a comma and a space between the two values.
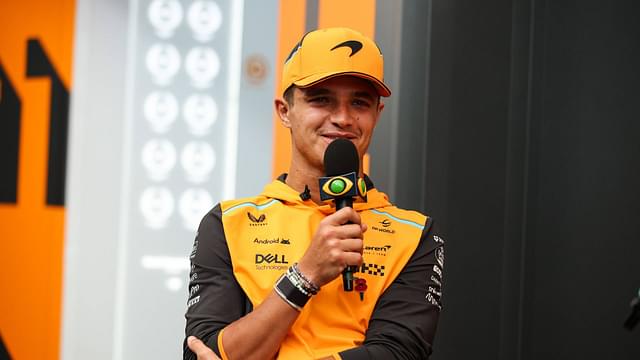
[341, 157]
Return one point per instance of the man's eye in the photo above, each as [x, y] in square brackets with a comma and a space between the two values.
[320, 100]
[361, 103]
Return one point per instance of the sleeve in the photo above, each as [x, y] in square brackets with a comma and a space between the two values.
[403, 323]
[215, 297]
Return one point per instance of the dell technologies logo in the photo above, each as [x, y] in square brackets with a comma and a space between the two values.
[271, 259]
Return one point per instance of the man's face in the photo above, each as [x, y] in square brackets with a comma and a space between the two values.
[341, 107]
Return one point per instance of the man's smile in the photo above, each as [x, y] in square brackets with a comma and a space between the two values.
[332, 135]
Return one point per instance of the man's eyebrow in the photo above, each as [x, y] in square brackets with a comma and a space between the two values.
[364, 94]
[324, 91]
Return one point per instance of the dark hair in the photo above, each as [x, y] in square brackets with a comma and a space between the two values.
[288, 95]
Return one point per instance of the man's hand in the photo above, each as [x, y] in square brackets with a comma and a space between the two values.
[336, 244]
[200, 349]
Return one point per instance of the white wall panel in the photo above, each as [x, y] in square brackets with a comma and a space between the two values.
[171, 113]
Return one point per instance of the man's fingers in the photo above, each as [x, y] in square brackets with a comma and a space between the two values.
[196, 345]
[352, 245]
[353, 258]
[349, 231]
[344, 216]
[201, 350]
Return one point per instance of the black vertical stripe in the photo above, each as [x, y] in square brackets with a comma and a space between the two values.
[9, 139]
[38, 65]
[4, 353]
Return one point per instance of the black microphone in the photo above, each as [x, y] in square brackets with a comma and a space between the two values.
[341, 166]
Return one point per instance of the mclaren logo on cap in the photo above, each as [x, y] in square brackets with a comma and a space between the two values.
[354, 45]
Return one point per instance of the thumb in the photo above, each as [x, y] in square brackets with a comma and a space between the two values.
[200, 349]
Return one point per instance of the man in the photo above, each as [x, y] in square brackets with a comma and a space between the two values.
[265, 273]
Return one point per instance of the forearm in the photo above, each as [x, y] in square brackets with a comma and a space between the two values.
[258, 335]
[404, 322]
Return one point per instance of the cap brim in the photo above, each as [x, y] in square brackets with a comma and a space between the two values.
[314, 79]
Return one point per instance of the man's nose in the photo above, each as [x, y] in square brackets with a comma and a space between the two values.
[342, 115]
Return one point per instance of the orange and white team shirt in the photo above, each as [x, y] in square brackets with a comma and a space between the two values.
[243, 246]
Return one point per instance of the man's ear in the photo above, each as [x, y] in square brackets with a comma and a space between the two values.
[282, 108]
[380, 108]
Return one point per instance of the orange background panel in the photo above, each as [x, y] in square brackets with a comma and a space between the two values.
[31, 233]
[291, 28]
[356, 14]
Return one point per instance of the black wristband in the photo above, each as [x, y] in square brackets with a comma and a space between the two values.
[290, 293]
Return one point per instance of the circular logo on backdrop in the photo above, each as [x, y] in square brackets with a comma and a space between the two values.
[165, 16]
[160, 110]
[198, 160]
[256, 68]
[163, 62]
[158, 157]
[200, 113]
[156, 206]
[202, 65]
[204, 18]
[193, 204]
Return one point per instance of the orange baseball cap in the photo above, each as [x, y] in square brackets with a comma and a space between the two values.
[326, 53]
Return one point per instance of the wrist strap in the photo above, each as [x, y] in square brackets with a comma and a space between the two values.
[290, 293]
